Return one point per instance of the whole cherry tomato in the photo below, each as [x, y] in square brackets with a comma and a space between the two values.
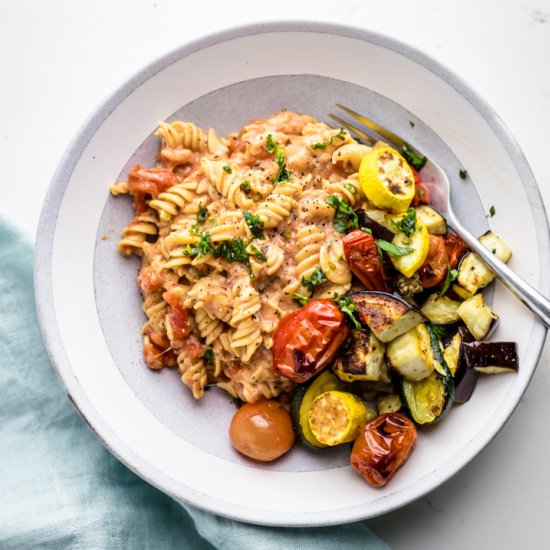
[307, 339]
[422, 193]
[262, 430]
[383, 447]
[456, 248]
[364, 261]
[434, 268]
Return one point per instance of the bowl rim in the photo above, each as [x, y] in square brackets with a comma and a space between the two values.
[54, 345]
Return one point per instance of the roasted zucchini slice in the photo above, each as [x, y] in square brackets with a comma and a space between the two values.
[303, 397]
[491, 357]
[362, 358]
[387, 315]
[429, 400]
[473, 273]
[435, 223]
[478, 317]
[440, 310]
[419, 243]
[452, 353]
[411, 354]
[337, 417]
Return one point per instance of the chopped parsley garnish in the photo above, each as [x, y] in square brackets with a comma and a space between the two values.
[348, 307]
[255, 224]
[208, 355]
[257, 197]
[492, 212]
[420, 192]
[300, 298]
[452, 275]
[411, 123]
[227, 169]
[283, 173]
[245, 187]
[407, 224]
[202, 247]
[412, 158]
[258, 253]
[345, 219]
[350, 187]
[393, 249]
[201, 216]
[317, 278]
[232, 251]
[323, 145]
[463, 174]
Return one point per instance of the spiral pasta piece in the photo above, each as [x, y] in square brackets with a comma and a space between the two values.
[350, 155]
[333, 263]
[310, 239]
[193, 374]
[134, 235]
[215, 145]
[210, 328]
[278, 204]
[349, 190]
[181, 134]
[171, 202]
[227, 182]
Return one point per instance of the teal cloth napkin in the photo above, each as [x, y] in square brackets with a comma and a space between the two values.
[60, 488]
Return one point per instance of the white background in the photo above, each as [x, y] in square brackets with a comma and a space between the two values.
[59, 59]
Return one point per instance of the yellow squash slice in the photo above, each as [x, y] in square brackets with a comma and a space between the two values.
[419, 241]
[337, 417]
[387, 180]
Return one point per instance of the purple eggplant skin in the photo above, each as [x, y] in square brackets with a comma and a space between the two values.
[462, 366]
[378, 230]
[479, 355]
[466, 386]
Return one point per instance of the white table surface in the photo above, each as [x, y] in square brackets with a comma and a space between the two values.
[60, 58]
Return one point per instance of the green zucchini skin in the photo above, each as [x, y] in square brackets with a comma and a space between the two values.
[446, 382]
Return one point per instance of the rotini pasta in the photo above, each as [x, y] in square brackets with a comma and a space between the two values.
[229, 229]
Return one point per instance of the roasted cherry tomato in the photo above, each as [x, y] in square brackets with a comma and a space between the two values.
[306, 340]
[383, 447]
[262, 431]
[179, 318]
[148, 181]
[421, 192]
[364, 262]
[434, 268]
[456, 248]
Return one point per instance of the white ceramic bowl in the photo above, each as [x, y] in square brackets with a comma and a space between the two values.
[90, 308]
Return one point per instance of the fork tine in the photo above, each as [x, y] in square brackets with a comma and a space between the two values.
[386, 134]
[353, 129]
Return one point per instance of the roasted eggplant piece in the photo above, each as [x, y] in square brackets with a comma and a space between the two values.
[411, 354]
[435, 223]
[387, 315]
[478, 317]
[491, 357]
[441, 310]
[362, 358]
[389, 404]
[375, 220]
[466, 386]
[473, 274]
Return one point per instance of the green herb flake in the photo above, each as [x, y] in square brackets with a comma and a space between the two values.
[492, 212]
[348, 307]
[420, 192]
[255, 224]
[283, 174]
[201, 216]
[232, 251]
[300, 298]
[463, 174]
[414, 160]
[324, 144]
[317, 278]
[257, 198]
[227, 169]
[350, 187]
[345, 219]
[407, 224]
[452, 275]
[245, 187]
[258, 253]
[393, 249]
[411, 123]
[208, 355]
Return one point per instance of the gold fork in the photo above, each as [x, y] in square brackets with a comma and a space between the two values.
[437, 182]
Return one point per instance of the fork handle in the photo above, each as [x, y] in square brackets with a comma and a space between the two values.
[532, 298]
